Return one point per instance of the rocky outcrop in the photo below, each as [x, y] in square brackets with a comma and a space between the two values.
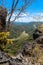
[3, 15]
[39, 40]
[4, 59]
[27, 48]
[19, 59]
[38, 37]
[28, 54]
[37, 33]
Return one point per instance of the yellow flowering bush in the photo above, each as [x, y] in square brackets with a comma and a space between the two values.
[4, 39]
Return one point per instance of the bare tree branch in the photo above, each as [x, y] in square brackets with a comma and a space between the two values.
[12, 10]
[23, 8]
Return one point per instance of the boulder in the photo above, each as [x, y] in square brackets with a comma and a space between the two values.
[26, 48]
[39, 40]
[37, 33]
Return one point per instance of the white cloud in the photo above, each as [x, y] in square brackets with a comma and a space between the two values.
[28, 17]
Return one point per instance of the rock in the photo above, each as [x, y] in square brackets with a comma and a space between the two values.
[39, 40]
[17, 60]
[3, 12]
[3, 15]
[3, 59]
[27, 48]
[37, 33]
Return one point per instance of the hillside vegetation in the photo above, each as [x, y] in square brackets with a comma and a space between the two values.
[20, 32]
[12, 42]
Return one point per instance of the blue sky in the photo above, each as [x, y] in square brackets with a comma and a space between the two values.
[36, 6]
[33, 10]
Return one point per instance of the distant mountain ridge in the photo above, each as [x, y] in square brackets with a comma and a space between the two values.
[22, 23]
[19, 27]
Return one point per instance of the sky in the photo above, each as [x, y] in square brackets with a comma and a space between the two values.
[36, 6]
[34, 12]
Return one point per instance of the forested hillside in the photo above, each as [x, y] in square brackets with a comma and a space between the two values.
[18, 27]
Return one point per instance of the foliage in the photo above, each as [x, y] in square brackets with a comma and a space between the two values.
[12, 45]
[4, 39]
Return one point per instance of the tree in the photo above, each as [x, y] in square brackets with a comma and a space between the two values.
[14, 7]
